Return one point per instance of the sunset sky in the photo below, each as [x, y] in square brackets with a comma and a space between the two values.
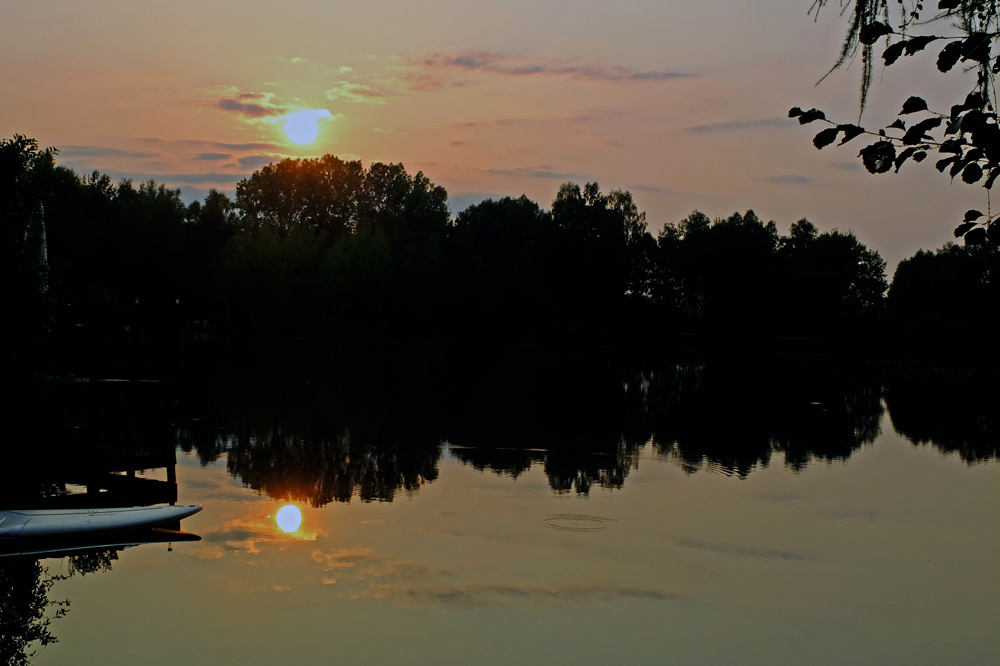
[683, 103]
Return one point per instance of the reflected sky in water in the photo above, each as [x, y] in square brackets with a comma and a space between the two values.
[888, 557]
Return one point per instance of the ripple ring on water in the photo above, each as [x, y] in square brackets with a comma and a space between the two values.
[574, 522]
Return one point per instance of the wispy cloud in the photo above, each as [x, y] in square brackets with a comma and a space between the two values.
[789, 179]
[256, 161]
[847, 166]
[214, 178]
[739, 125]
[220, 145]
[537, 172]
[356, 93]
[211, 157]
[415, 81]
[197, 178]
[650, 188]
[251, 105]
[99, 151]
[509, 64]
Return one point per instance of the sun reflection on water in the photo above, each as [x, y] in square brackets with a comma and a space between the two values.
[289, 518]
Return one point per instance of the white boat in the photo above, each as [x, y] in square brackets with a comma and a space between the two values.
[64, 523]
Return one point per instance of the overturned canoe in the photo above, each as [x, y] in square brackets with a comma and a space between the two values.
[61, 523]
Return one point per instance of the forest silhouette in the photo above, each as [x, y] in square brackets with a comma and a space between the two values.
[326, 247]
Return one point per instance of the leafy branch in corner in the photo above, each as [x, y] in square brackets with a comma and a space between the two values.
[969, 145]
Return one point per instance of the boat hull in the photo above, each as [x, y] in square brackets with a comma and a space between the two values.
[63, 523]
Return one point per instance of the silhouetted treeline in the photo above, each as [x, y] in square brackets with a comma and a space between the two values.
[949, 299]
[324, 246]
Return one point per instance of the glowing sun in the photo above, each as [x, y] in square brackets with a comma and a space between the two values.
[302, 127]
[289, 518]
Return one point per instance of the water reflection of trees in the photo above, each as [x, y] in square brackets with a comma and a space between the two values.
[319, 440]
[728, 417]
[954, 414]
[373, 430]
[734, 417]
[566, 414]
[26, 609]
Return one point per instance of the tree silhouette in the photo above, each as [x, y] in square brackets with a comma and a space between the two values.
[738, 274]
[950, 294]
[320, 247]
[25, 176]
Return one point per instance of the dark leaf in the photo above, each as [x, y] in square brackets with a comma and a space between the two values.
[974, 101]
[994, 172]
[957, 167]
[993, 233]
[971, 215]
[919, 156]
[892, 53]
[977, 47]
[898, 124]
[952, 146]
[850, 131]
[986, 137]
[974, 155]
[949, 56]
[903, 156]
[962, 229]
[918, 43]
[870, 33]
[975, 237]
[826, 137]
[913, 105]
[973, 121]
[943, 164]
[916, 133]
[878, 157]
[949, 4]
[954, 126]
[812, 114]
[794, 112]
[972, 173]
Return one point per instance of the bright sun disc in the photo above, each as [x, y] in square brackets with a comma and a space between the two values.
[303, 126]
[289, 518]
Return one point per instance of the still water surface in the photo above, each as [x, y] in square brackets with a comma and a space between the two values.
[518, 509]
[889, 557]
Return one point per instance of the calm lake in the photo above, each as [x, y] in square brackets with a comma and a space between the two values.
[587, 512]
